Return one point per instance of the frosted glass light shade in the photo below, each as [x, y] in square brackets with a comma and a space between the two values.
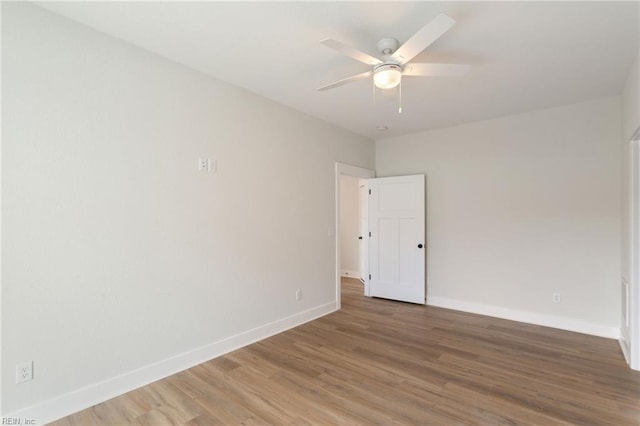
[387, 76]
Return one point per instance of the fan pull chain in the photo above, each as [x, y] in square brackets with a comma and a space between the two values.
[374, 90]
[400, 98]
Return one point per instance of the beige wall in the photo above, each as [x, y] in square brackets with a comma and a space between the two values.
[630, 100]
[117, 253]
[521, 207]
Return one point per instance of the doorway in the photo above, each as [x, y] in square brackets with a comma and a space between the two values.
[352, 175]
[352, 227]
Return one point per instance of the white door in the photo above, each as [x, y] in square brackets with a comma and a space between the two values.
[362, 230]
[396, 242]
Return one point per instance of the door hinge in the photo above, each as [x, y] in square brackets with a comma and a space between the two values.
[369, 276]
[369, 192]
[369, 233]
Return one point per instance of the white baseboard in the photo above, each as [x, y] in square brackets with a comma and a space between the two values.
[349, 274]
[625, 350]
[88, 396]
[546, 320]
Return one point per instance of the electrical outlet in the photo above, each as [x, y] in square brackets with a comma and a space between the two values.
[24, 372]
[298, 295]
[203, 164]
[556, 297]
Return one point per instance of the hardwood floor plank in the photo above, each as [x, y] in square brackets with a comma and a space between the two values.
[205, 420]
[382, 362]
[156, 418]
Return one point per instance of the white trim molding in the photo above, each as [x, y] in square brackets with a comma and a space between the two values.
[545, 320]
[634, 250]
[625, 350]
[88, 396]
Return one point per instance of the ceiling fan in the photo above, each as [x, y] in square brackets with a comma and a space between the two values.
[387, 73]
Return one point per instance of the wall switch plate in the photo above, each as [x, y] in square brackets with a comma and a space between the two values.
[556, 297]
[24, 372]
[298, 295]
[213, 166]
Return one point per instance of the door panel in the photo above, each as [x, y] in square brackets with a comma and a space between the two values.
[396, 197]
[363, 226]
[408, 255]
[396, 223]
[387, 249]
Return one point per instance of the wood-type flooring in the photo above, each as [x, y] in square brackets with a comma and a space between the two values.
[383, 362]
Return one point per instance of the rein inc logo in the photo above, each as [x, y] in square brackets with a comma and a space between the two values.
[17, 421]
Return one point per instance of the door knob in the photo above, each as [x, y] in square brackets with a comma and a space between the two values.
[359, 238]
[420, 245]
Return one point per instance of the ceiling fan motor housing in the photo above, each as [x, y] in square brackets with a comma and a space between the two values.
[386, 67]
[387, 46]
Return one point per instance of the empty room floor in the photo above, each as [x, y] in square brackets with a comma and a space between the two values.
[383, 362]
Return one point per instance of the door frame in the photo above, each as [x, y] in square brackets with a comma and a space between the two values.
[634, 251]
[363, 227]
[342, 169]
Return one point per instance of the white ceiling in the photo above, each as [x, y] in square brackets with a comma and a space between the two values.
[524, 56]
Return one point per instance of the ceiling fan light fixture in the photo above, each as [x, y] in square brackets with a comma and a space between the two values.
[387, 76]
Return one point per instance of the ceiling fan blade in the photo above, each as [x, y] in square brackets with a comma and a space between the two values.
[351, 52]
[346, 80]
[423, 38]
[435, 70]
